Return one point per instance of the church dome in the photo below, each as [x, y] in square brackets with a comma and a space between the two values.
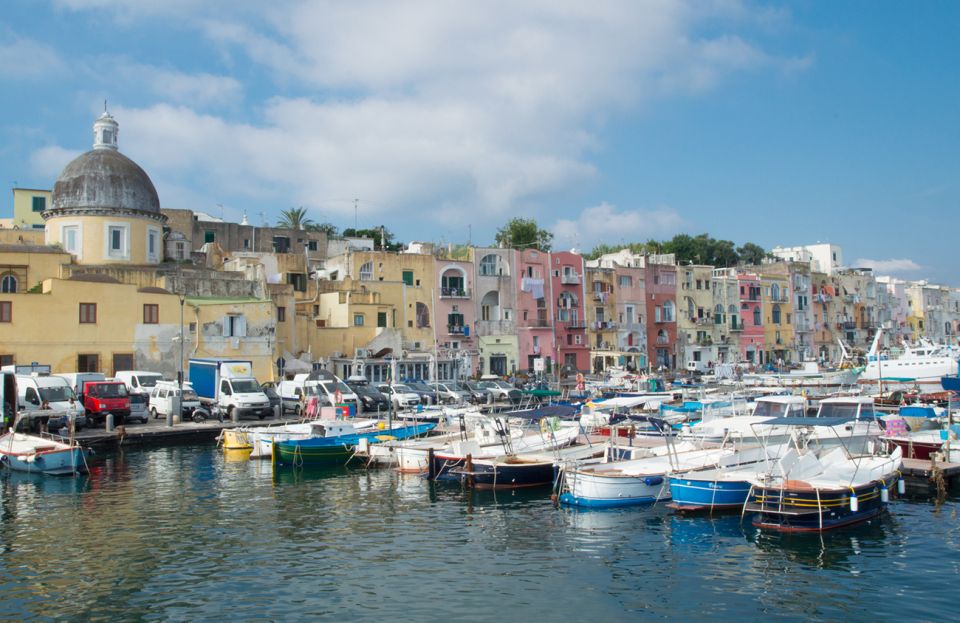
[104, 181]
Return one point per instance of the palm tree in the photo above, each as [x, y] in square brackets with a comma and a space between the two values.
[294, 218]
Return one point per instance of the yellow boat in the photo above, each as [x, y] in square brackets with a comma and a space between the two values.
[234, 439]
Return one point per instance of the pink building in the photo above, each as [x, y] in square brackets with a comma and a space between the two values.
[751, 319]
[569, 296]
[534, 316]
[455, 314]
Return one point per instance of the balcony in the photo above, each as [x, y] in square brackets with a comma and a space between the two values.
[575, 324]
[570, 279]
[736, 326]
[536, 323]
[455, 329]
[454, 293]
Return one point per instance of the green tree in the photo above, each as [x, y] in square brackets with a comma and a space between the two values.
[374, 233]
[751, 253]
[328, 228]
[523, 233]
[295, 218]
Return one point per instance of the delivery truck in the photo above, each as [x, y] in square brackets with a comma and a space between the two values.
[229, 385]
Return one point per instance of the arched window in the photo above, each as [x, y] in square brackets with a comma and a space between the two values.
[8, 284]
[662, 337]
[490, 306]
[493, 266]
[756, 317]
[775, 312]
[669, 312]
[775, 292]
[567, 301]
[423, 316]
[366, 272]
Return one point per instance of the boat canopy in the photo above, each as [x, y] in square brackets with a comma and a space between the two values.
[559, 411]
[809, 421]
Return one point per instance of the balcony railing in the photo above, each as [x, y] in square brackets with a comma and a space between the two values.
[455, 329]
[576, 323]
[736, 326]
[454, 293]
[537, 323]
[570, 279]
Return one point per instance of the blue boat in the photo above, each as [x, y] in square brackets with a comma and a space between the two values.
[711, 490]
[338, 448]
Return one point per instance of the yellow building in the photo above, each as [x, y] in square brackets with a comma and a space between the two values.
[29, 204]
[777, 317]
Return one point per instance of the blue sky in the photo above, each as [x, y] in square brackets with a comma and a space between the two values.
[771, 123]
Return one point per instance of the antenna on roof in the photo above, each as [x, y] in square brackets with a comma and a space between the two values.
[104, 104]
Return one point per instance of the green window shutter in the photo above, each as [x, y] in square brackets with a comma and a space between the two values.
[408, 277]
[381, 319]
[39, 204]
[208, 236]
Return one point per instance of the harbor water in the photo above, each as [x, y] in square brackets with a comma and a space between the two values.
[187, 534]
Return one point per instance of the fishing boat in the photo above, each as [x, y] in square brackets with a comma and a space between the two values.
[41, 453]
[324, 448]
[723, 488]
[810, 489]
[518, 471]
[259, 439]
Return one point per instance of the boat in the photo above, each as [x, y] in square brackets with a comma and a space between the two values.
[922, 444]
[925, 364]
[722, 488]
[43, 453]
[326, 449]
[811, 489]
[764, 408]
[259, 439]
[518, 471]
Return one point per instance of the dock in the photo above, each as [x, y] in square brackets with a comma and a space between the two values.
[925, 477]
[156, 432]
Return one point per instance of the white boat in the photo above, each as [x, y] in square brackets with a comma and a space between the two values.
[924, 364]
[41, 453]
[259, 439]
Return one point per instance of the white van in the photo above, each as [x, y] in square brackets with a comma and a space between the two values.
[138, 381]
[77, 379]
[35, 392]
[163, 393]
[325, 388]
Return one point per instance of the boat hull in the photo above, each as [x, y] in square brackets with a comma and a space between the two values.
[340, 449]
[64, 462]
[808, 509]
[506, 474]
[693, 494]
[605, 491]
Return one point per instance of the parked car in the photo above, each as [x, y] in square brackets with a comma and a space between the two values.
[371, 398]
[426, 391]
[274, 398]
[139, 408]
[401, 395]
[502, 390]
[453, 393]
[162, 395]
[478, 391]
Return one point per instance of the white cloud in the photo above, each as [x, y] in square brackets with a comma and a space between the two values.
[21, 57]
[888, 266]
[421, 108]
[198, 89]
[604, 224]
[48, 162]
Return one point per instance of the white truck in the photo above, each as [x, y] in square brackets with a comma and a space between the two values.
[229, 385]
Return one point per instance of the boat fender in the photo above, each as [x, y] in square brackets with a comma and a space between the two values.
[884, 494]
[4, 458]
[651, 481]
[901, 486]
[854, 502]
[38, 458]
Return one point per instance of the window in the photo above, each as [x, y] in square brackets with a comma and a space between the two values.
[70, 238]
[358, 320]
[88, 363]
[625, 281]
[408, 277]
[298, 281]
[423, 316]
[8, 285]
[775, 312]
[281, 244]
[756, 317]
[381, 319]
[122, 361]
[234, 325]
[181, 251]
[151, 313]
[39, 204]
[6, 360]
[88, 313]
[491, 266]
[668, 312]
[281, 314]
[209, 236]
[312, 245]
[153, 245]
[6, 311]
[366, 272]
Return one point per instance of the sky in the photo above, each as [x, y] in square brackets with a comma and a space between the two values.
[606, 122]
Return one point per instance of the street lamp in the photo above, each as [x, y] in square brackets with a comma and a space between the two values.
[178, 403]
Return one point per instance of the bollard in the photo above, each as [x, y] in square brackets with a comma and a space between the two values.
[109, 423]
[278, 412]
[234, 415]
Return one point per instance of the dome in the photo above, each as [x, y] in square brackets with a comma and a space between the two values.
[104, 179]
